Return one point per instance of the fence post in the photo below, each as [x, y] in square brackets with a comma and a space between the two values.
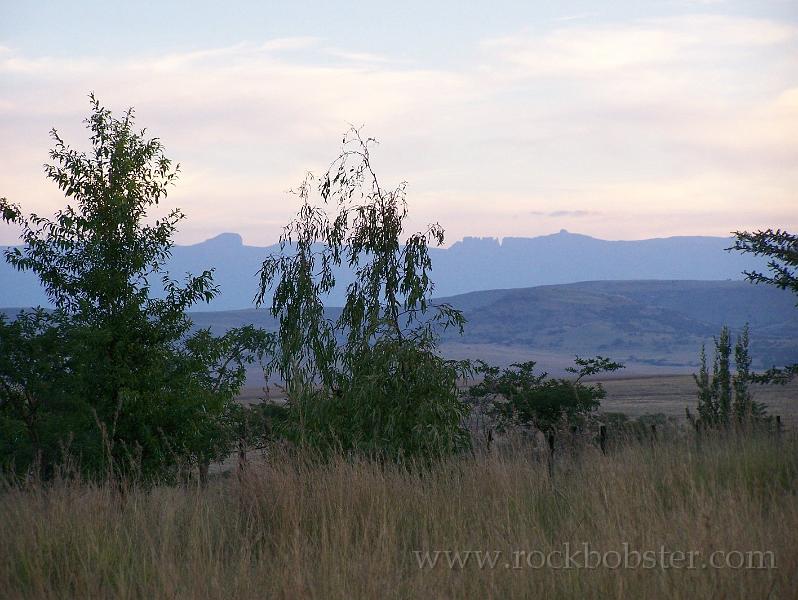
[203, 473]
[551, 454]
[603, 439]
[242, 458]
[778, 426]
[698, 429]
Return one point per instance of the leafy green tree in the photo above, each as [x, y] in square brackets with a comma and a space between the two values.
[33, 374]
[723, 397]
[781, 248]
[743, 406]
[216, 366]
[519, 396]
[129, 385]
[370, 380]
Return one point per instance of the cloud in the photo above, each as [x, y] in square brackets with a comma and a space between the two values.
[646, 43]
[363, 57]
[573, 213]
[636, 118]
[565, 213]
[291, 43]
[576, 17]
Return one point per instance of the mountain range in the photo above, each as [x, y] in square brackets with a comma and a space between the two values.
[472, 264]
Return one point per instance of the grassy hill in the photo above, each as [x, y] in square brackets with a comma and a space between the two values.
[652, 325]
[660, 323]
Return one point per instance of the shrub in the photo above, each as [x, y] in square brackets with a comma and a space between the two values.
[519, 396]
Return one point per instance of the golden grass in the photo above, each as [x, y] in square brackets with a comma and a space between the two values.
[293, 528]
[670, 394]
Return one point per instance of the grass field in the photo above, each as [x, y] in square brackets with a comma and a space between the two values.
[657, 393]
[679, 521]
[670, 394]
[671, 519]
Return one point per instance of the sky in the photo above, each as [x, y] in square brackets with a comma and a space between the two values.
[619, 120]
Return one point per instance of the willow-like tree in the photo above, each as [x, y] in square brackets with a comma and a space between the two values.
[371, 379]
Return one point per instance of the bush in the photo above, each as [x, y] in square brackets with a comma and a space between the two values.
[519, 396]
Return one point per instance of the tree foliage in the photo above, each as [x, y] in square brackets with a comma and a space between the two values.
[369, 380]
[121, 381]
[33, 369]
[725, 397]
[519, 396]
[781, 248]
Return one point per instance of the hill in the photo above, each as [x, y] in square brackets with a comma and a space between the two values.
[657, 323]
[654, 326]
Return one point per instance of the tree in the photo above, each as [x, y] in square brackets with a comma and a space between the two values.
[724, 397]
[370, 380]
[519, 396]
[781, 248]
[128, 383]
[217, 368]
[33, 373]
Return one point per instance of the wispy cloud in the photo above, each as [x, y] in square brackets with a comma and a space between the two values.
[291, 43]
[565, 213]
[621, 121]
[573, 213]
[576, 17]
[363, 57]
[647, 43]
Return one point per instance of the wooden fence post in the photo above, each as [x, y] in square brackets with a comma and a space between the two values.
[242, 458]
[551, 454]
[603, 439]
[203, 473]
[698, 430]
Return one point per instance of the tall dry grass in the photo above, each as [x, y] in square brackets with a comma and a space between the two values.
[348, 529]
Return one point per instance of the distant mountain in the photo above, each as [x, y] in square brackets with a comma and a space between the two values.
[650, 325]
[472, 264]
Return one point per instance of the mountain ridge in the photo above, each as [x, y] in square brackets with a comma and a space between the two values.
[470, 264]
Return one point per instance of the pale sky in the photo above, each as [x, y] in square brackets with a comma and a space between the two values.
[620, 120]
